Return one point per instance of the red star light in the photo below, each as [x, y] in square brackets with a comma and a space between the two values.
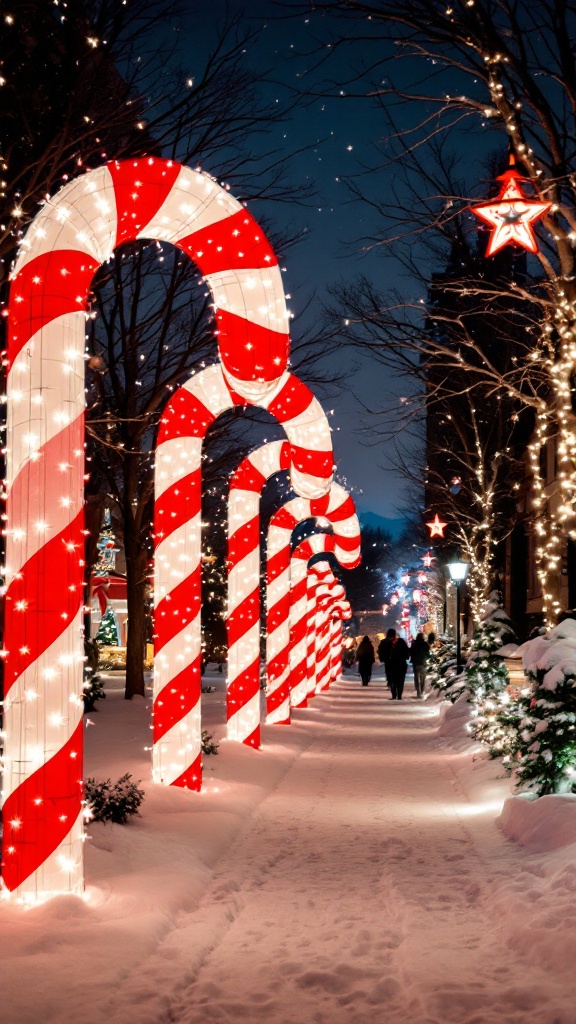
[427, 559]
[511, 216]
[436, 527]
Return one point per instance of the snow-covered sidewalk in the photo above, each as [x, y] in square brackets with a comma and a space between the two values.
[350, 871]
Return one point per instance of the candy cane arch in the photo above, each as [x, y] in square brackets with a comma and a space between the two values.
[338, 509]
[339, 612]
[73, 234]
[177, 668]
[243, 617]
[319, 572]
[298, 650]
[328, 595]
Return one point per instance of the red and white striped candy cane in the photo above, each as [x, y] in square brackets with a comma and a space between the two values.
[243, 618]
[72, 235]
[177, 667]
[307, 549]
[340, 612]
[327, 595]
[339, 511]
[318, 573]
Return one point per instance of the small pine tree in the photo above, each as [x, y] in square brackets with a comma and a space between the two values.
[107, 635]
[486, 675]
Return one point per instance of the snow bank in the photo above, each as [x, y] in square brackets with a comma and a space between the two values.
[548, 823]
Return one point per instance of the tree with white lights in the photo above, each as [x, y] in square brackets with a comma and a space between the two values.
[507, 70]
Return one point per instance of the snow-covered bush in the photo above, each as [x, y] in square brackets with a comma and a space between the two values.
[547, 732]
[115, 802]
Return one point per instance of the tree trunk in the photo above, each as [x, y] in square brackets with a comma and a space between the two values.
[136, 639]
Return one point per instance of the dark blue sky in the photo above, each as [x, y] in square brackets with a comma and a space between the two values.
[332, 139]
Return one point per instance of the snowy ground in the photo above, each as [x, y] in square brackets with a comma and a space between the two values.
[351, 871]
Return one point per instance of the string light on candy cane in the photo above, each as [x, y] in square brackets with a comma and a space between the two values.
[73, 234]
[338, 508]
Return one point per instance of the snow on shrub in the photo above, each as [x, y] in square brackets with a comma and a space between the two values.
[107, 801]
[547, 731]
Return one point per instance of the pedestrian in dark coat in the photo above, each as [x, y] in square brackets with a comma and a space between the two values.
[365, 656]
[419, 654]
[394, 652]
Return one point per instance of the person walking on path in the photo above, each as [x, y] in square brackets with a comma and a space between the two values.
[366, 659]
[419, 654]
[394, 653]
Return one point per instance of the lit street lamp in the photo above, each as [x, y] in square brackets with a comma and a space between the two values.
[458, 571]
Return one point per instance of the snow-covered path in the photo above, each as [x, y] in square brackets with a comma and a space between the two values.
[339, 875]
[357, 894]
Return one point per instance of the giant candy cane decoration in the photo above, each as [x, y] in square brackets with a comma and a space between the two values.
[177, 668]
[298, 650]
[319, 572]
[72, 235]
[329, 596]
[338, 508]
[340, 611]
[243, 619]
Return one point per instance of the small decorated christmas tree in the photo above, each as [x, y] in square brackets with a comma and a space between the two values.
[107, 635]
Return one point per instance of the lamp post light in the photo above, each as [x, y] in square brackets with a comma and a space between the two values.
[458, 572]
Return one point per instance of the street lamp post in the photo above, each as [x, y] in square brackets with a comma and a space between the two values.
[458, 571]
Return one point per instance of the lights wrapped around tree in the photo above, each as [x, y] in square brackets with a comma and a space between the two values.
[74, 233]
[339, 509]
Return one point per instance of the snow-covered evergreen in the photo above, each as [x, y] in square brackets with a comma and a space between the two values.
[547, 732]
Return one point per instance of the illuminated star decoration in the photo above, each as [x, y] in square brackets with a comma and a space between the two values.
[436, 527]
[511, 215]
[427, 559]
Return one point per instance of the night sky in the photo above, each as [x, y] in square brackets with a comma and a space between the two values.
[339, 136]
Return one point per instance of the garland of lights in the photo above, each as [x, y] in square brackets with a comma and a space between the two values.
[336, 509]
[70, 238]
